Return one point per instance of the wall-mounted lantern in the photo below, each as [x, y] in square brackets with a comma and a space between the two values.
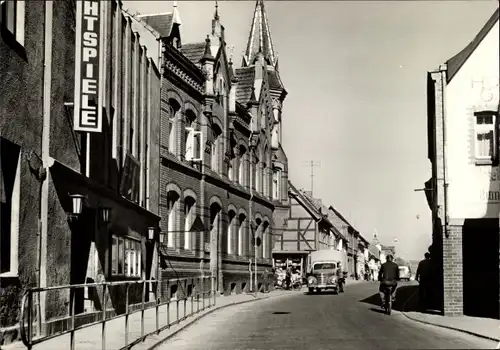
[151, 233]
[77, 204]
[105, 214]
[162, 236]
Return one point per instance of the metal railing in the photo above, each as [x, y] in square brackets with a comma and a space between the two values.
[197, 291]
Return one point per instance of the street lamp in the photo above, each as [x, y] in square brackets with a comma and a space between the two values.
[151, 233]
[77, 203]
[105, 214]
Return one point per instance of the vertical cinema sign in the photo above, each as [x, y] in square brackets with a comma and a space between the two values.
[88, 66]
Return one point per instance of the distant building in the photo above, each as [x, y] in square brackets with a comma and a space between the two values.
[307, 229]
[464, 191]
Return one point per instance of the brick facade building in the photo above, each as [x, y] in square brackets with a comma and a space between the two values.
[45, 162]
[223, 170]
[464, 191]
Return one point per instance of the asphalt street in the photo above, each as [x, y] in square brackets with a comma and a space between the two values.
[319, 321]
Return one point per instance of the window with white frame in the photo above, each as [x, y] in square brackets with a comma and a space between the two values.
[12, 18]
[230, 231]
[485, 136]
[241, 166]
[10, 191]
[215, 152]
[174, 111]
[189, 214]
[265, 182]
[126, 257]
[276, 184]
[172, 199]
[241, 234]
[189, 132]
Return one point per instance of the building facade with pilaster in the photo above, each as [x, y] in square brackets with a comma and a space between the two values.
[223, 170]
[78, 199]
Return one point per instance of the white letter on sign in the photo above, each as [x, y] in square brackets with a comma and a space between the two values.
[89, 52]
[89, 86]
[91, 8]
[90, 39]
[88, 117]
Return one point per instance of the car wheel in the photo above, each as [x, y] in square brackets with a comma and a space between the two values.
[311, 290]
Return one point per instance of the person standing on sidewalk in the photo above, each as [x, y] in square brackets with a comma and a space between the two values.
[423, 277]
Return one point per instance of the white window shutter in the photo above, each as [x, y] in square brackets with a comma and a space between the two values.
[190, 144]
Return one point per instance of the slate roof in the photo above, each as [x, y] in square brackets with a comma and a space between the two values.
[456, 62]
[246, 79]
[323, 210]
[162, 23]
[274, 80]
[373, 250]
[194, 51]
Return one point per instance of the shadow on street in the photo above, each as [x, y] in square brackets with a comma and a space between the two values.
[322, 293]
[406, 300]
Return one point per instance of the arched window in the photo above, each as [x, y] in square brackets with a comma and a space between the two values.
[231, 159]
[172, 125]
[276, 184]
[241, 166]
[265, 182]
[265, 240]
[217, 132]
[258, 233]
[256, 174]
[189, 215]
[215, 210]
[241, 234]
[189, 134]
[230, 231]
[172, 207]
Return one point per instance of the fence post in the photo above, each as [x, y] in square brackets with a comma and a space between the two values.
[126, 313]
[185, 297]
[104, 316]
[72, 305]
[193, 286]
[30, 316]
[168, 304]
[142, 308]
[177, 300]
[157, 300]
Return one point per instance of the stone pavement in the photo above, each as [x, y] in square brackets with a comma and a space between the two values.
[90, 338]
[482, 327]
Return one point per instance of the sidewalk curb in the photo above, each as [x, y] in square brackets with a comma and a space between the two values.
[452, 328]
[197, 318]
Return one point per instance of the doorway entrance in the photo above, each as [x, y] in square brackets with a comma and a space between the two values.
[481, 275]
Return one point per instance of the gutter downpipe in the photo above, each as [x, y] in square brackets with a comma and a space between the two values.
[442, 70]
[46, 160]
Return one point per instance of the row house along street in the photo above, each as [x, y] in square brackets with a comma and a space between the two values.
[152, 175]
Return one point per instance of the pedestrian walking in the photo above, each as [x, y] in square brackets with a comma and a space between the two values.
[423, 276]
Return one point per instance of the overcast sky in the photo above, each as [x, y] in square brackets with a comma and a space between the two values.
[356, 77]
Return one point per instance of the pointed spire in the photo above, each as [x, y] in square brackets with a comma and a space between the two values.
[216, 15]
[207, 54]
[259, 39]
[175, 15]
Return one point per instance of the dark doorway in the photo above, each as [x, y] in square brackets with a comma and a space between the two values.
[481, 275]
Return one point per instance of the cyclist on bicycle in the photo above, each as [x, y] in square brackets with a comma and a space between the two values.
[388, 277]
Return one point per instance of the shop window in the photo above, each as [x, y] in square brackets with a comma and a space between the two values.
[126, 257]
[12, 18]
[10, 188]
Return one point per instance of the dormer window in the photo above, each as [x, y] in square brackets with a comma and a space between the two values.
[485, 128]
[175, 42]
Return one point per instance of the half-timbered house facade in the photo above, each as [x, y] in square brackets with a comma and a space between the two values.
[307, 228]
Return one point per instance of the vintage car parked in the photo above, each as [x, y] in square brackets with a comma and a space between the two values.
[324, 271]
